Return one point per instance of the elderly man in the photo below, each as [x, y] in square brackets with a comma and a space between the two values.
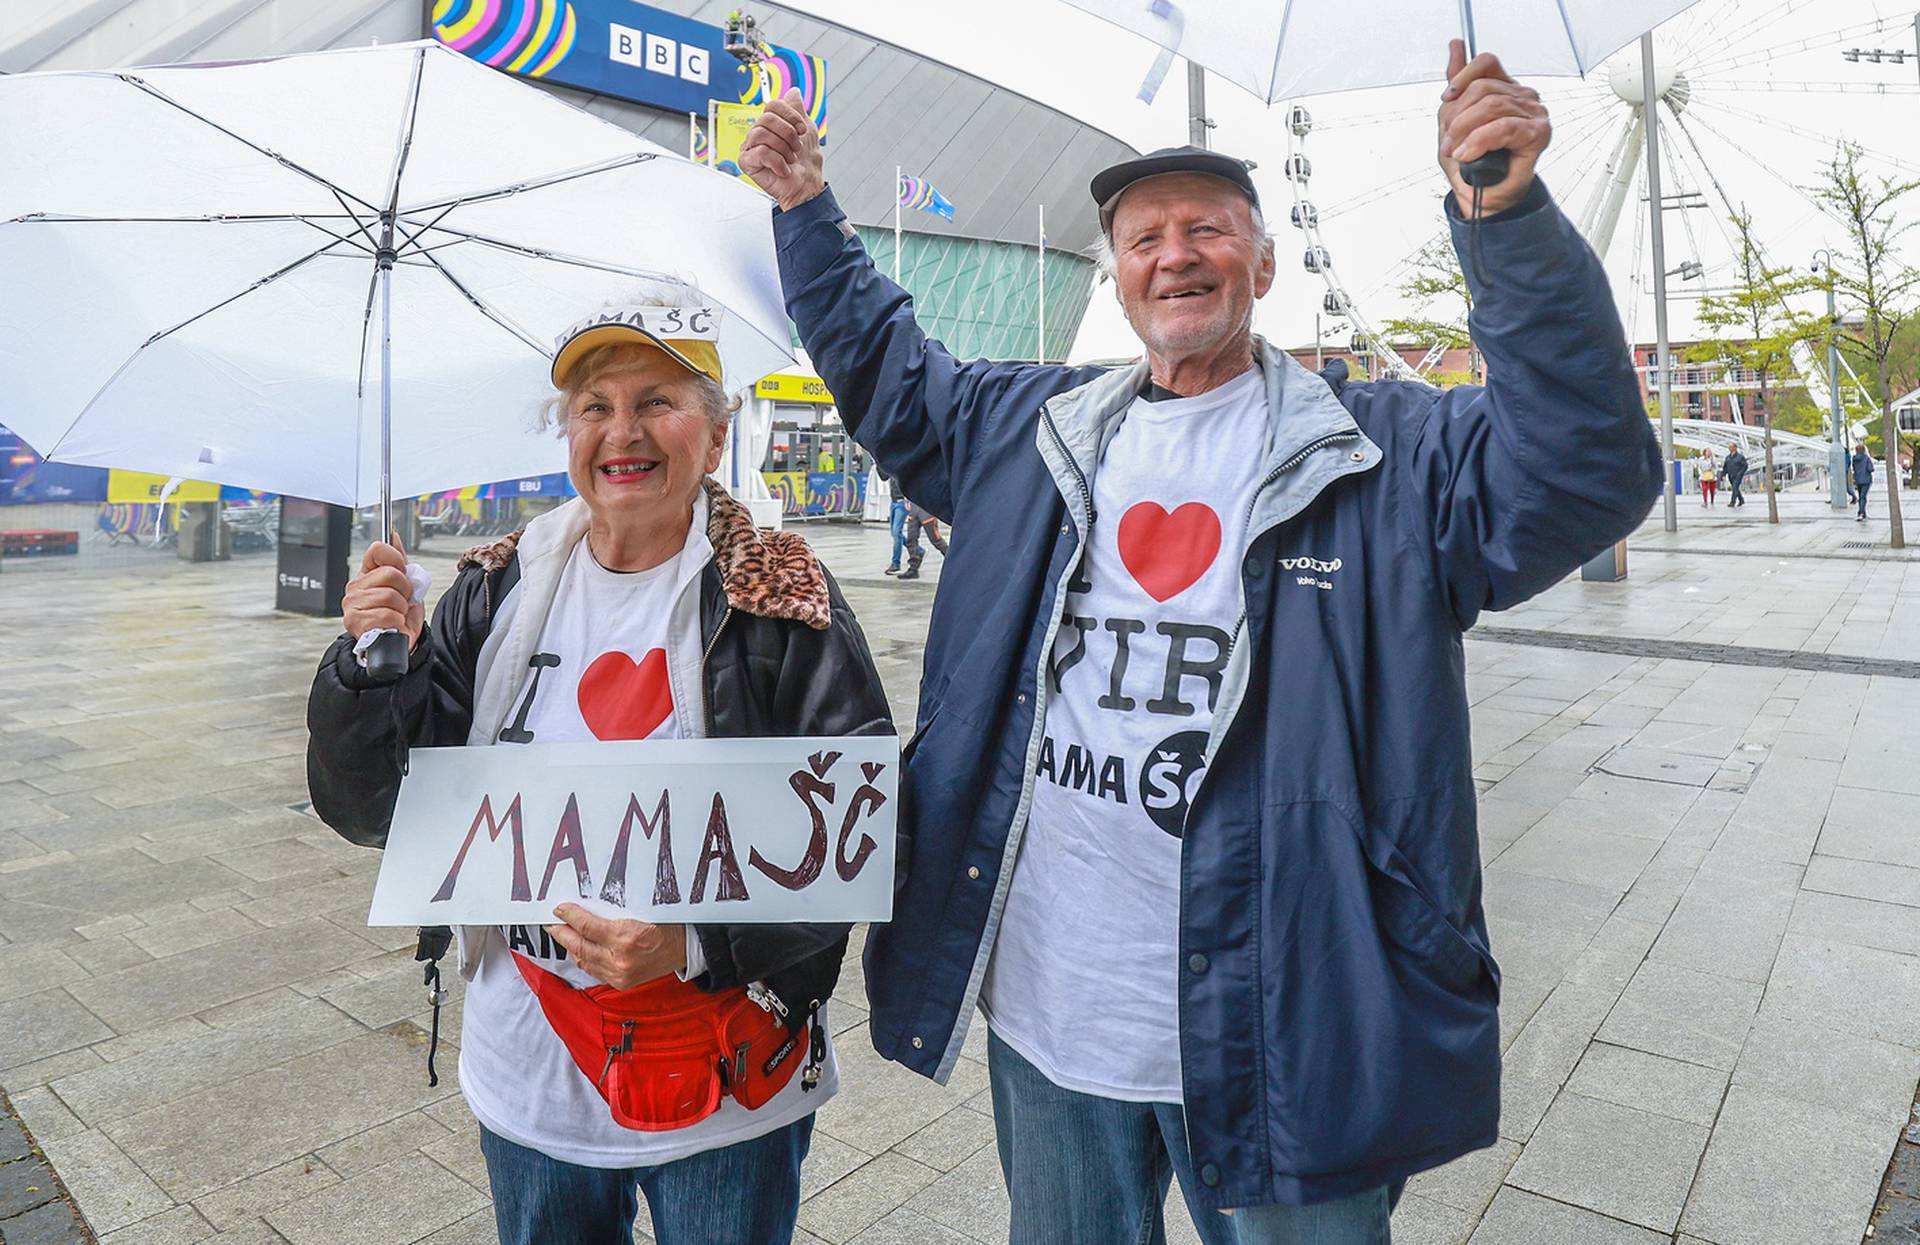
[1193, 805]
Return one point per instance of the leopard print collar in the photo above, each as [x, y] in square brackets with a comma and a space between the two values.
[764, 573]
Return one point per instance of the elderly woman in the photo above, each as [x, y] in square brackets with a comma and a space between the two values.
[648, 608]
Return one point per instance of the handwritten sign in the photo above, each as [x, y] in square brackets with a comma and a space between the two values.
[723, 830]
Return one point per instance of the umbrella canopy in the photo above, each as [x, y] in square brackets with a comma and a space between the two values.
[190, 259]
[1313, 47]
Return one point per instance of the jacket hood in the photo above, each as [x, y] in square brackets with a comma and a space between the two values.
[764, 573]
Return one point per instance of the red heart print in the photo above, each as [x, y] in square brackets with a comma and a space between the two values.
[1168, 553]
[624, 699]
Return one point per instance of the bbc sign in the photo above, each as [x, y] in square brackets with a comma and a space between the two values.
[657, 54]
[621, 48]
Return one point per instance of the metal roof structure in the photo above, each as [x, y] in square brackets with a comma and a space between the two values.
[996, 154]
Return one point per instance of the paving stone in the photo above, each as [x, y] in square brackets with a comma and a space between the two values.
[52, 1224]
[28, 969]
[1466, 1184]
[1858, 823]
[48, 1023]
[193, 1146]
[192, 933]
[24, 1185]
[1860, 922]
[972, 1198]
[1650, 1083]
[1589, 857]
[110, 1189]
[44, 1115]
[1627, 1164]
[949, 1140]
[1682, 1014]
[828, 1159]
[239, 1205]
[1422, 1221]
[1854, 989]
[1534, 1068]
[1728, 925]
[863, 1197]
[1781, 1172]
[382, 1144]
[881, 1103]
[183, 984]
[906, 1227]
[460, 1154]
[475, 1229]
[1519, 1218]
[394, 1204]
[1816, 1064]
[183, 1225]
[1863, 879]
[13, 1139]
[202, 1059]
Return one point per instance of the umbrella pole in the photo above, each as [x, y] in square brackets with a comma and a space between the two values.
[387, 659]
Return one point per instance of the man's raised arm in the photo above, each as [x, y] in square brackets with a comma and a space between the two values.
[904, 397]
[1523, 480]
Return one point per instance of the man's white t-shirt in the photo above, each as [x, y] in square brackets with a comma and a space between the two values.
[1083, 979]
[608, 636]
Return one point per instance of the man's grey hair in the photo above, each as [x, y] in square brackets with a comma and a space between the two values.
[1109, 263]
[659, 292]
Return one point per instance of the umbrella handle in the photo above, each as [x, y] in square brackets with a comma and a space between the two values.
[1488, 170]
[387, 659]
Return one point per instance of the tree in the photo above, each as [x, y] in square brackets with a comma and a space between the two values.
[1753, 330]
[1437, 279]
[1873, 276]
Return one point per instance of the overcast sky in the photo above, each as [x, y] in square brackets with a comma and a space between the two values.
[1762, 131]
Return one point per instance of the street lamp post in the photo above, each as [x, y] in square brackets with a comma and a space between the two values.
[1836, 449]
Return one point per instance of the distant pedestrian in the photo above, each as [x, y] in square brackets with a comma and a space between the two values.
[1736, 471]
[896, 524]
[1708, 479]
[1862, 479]
[918, 519]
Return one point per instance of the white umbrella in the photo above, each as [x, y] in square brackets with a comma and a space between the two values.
[340, 275]
[1313, 47]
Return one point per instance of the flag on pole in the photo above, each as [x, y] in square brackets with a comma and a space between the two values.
[918, 192]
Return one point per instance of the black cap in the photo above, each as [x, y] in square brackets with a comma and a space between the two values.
[1109, 182]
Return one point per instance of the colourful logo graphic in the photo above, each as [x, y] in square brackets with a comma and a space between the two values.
[520, 36]
[782, 69]
[702, 149]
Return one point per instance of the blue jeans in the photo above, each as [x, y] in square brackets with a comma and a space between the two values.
[1860, 490]
[747, 1193]
[1083, 1168]
[897, 520]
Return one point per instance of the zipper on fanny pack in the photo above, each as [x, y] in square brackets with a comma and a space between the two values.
[614, 1052]
[765, 999]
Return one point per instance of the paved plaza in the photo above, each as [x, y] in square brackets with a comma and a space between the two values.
[1700, 823]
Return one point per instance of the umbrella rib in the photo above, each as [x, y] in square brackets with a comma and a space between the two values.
[167, 332]
[538, 183]
[142, 85]
[406, 137]
[1279, 46]
[555, 256]
[486, 310]
[1572, 43]
[63, 218]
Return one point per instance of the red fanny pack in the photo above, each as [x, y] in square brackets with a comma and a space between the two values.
[663, 1054]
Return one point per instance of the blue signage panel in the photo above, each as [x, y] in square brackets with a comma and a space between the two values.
[613, 47]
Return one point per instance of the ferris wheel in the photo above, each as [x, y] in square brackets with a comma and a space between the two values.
[1747, 97]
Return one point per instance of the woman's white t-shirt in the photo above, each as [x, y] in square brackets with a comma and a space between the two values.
[603, 673]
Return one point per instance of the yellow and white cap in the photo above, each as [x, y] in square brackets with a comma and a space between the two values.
[690, 336]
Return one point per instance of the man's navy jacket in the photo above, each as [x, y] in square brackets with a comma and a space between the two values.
[1338, 999]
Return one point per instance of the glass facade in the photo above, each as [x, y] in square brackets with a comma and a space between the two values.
[981, 299]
